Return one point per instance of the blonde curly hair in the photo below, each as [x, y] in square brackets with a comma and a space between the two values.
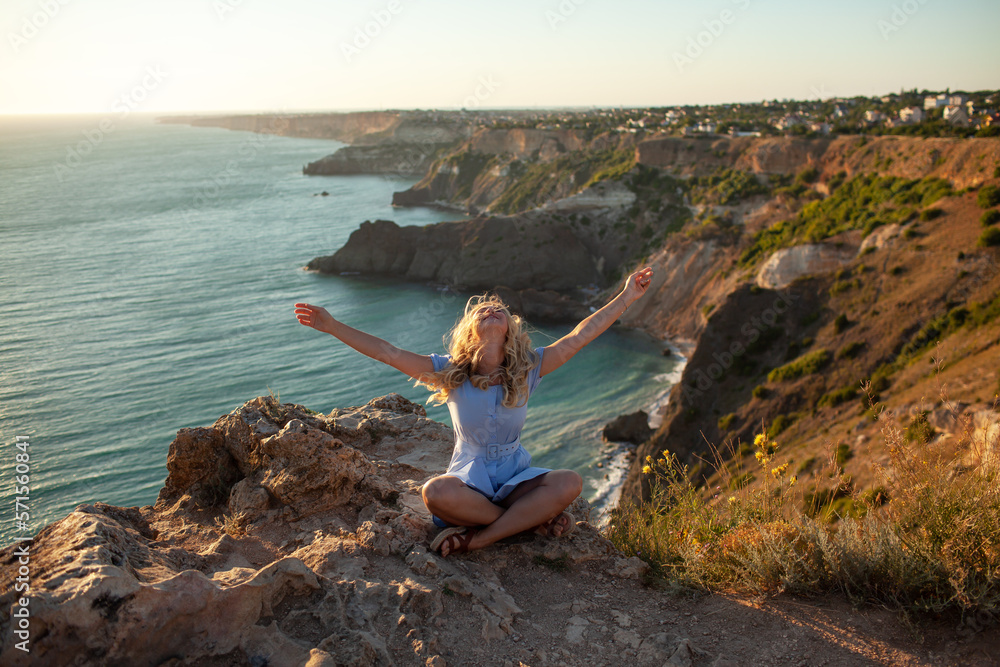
[466, 349]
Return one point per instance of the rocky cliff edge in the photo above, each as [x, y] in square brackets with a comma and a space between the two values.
[286, 537]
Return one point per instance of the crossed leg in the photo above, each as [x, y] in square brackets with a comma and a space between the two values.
[530, 504]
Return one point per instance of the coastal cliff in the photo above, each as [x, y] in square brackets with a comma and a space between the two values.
[781, 336]
[511, 171]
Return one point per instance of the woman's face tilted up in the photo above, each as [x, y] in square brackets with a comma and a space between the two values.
[491, 323]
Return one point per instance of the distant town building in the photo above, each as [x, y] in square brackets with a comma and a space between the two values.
[911, 115]
[822, 128]
[935, 101]
[787, 122]
[839, 112]
[873, 116]
[956, 115]
[957, 100]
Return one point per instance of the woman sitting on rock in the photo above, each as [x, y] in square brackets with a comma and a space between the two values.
[490, 490]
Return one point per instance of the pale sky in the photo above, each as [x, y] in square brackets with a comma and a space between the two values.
[71, 56]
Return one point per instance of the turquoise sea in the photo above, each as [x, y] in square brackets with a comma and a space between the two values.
[148, 278]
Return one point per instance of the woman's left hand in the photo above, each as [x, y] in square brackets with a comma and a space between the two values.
[636, 285]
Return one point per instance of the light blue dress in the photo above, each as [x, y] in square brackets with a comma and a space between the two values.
[488, 454]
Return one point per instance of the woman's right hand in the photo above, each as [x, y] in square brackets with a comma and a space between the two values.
[314, 316]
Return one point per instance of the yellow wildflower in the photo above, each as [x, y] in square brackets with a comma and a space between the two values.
[792, 481]
[759, 440]
[760, 456]
[666, 453]
[780, 470]
[732, 499]
[646, 470]
[649, 459]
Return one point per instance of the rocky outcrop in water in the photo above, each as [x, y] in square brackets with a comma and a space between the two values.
[632, 428]
[401, 159]
[481, 253]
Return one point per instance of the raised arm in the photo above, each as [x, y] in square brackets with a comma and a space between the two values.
[561, 351]
[318, 318]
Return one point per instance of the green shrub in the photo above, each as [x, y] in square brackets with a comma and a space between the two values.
[726, 186]
[807, 364]
[841, 286]
[760, 391]
[726, 421]
[841, 323]
[834, 398]
[989, 238]
[864, 202]
[807, 175]
[990, 217]
[919, 429]
[780, 423]
[988, 196]
[930, 214]
[851, 350]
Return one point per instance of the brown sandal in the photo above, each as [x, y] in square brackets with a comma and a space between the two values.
[547, 526]
[458, 539]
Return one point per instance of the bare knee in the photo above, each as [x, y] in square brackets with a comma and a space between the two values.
[568, 482]
[440, 491]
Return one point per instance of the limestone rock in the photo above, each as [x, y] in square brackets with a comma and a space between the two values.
[880, 237]
[789, 264]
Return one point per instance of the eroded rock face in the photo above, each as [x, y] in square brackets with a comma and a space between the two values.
[789, 264]
[281, 537]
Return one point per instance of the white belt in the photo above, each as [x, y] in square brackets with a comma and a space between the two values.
[492, 451]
